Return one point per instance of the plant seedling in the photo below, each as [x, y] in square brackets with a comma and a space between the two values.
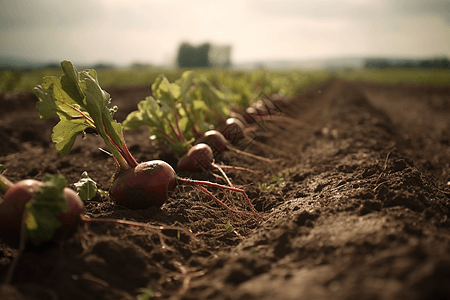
[279, 182]
[86, 187]
[145, 293]
[229, 227]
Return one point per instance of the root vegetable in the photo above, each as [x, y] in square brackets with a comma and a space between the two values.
[150, 183]
[147, 184]
[81, 104]
[199, 157]
[234, 131]
[17, 197]
[32, 209]
[219, 145]
[15, 209]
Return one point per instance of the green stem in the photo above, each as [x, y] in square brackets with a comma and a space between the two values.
[122, 158]
[5, 183]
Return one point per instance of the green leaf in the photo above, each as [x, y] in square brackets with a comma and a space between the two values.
[80, 102]
[165, 91]
[47, 104]
[2, 168]
[43, 209]
[263, 186]
[54, 100]
[185, 82]
[148, 113]
[156, 116]
[65, 133]
[70, 82]
[279, 180]
[145, 293]
[86, 187]
[228, 227]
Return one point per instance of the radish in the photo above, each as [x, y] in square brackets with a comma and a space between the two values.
[81, 104]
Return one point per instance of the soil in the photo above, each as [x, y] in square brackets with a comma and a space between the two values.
[363, 212]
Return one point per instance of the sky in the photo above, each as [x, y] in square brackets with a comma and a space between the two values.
[150, 31]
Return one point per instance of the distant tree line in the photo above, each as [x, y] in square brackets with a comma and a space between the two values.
[385, 63]
[190, 56]
[203, 56]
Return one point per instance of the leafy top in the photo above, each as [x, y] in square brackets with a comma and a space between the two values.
[81, 103]
[180, 111]
[42, 211]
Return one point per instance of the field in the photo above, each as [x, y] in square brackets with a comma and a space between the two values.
[362, 211]
[21, 81]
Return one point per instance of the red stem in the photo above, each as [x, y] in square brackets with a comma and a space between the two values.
[173, 130]
[167, 137]
[124, 152]
[180, 134]
[196, 132]
[80, 112]
[129, 158]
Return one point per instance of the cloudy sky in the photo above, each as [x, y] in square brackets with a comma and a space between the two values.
[122, 32]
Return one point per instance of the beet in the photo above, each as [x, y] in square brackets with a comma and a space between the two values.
[148, 184]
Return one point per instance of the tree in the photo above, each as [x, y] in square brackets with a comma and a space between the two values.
[193, 57]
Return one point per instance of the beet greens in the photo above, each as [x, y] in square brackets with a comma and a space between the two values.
[80, 103]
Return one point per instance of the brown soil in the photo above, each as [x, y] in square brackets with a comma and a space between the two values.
[363, 212]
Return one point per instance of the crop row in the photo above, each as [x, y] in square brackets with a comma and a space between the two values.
[286, 82]
[199, 115]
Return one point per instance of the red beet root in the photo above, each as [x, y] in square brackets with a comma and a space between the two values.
[19, 194]
[146, 185]
[219, 145]
[233, 130]
[199, 157]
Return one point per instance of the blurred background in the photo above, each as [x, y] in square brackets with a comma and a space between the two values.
[243, 34]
